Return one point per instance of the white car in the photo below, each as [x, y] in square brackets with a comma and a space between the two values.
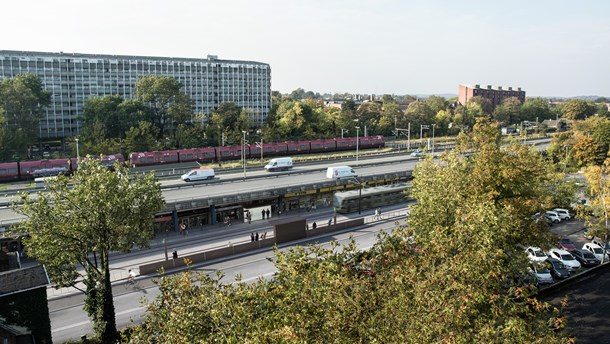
[596, 250]
[542, 274]
[535, 254]
[417, 153]
[553, 216]
[566, 258]
[564, 214]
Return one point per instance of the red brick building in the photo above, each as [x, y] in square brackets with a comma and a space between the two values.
[495, 95]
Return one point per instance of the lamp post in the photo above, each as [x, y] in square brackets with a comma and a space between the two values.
[565, 165]
[433, 125]
[259, 131]
[77, 153]
[343, 131]
[243, 151]
[357, 143]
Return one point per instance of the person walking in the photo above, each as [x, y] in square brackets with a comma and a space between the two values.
[330, 221]
[256, 237]
[252, 236]
[379, 213]
[376, 217]
[263, 212]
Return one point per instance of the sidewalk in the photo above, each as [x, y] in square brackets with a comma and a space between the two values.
[198, 239]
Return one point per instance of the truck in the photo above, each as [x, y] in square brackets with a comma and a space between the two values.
[338, 172]
[198, 174]
[279, 164]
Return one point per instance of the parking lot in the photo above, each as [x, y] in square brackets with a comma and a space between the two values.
[588, 309]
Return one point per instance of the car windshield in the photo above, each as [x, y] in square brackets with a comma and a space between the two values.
[588, 255]
[539, 254]
[567, 257]
[542, 270]
[598, 250]
[566, 241]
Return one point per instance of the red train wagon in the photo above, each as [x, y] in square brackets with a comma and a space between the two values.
[230, 153]
[299, 147]
[372, 141]
[27, 168]
[346, 143]
[153, 158]
[324, 145]
[201, 155]
[269, 149]
[9, 170]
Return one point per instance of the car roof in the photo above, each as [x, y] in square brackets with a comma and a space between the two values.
[559, 250]
[592, 245]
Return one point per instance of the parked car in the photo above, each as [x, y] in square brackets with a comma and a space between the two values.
[541, 274]
[537, 217]
[586, 258]
[535, 254]
[566, 258]
[601, 243]
[564, 214]
[587, 233]
[596, 250]
[557, 268]
[566, 244]
[553, 216]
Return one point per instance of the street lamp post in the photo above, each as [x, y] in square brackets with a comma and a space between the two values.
[433, 125]
[77, 153]
[243, 152]
[357, 143]
[344, 131]
[259, 131]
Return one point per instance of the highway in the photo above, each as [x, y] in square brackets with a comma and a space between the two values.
[69, 320]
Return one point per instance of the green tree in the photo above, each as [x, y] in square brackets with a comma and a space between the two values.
[597, 213]
[24, 99]
[509, 112]
[169, 105]
[92, 214]
[486, 106]
[437, 103]
[141, 138]
[418, 114]
[577, 109]
[535, 109]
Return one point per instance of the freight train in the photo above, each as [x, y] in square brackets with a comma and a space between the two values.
[51, 167]
[22, 170]
[219, 154]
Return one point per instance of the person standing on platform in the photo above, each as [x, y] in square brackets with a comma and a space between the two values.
[252, 237]
[268, 213]
[263, 212]
[256, 237]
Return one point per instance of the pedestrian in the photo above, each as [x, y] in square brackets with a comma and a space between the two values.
[181, 228]
[330, 221]
[249, 218]
[256, 236]
[376, 217]
[268, 213]
[379, 212]
[186, 229]
[252, 236]
[175, 254]
[314, 225]
[263, 212]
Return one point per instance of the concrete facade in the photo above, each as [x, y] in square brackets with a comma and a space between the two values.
[72, 78]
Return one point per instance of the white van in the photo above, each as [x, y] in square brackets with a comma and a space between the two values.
[279, 164]
[338, 172]
[198, 174]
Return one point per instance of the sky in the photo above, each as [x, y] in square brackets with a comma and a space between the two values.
[548, 48]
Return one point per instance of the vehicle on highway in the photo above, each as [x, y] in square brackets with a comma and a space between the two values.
[557, 268]
[537, 217]
[368, 198]
[535, 254]
[586, 258]
[564, 214]
[541, 274]
[566, 258]
[566, 244]
[224, 153]
[279, 164]
[553, 216]
[596, 250]
[338, 172]
[417, 153]
[198, 174]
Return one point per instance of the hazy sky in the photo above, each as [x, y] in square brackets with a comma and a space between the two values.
[548, 48]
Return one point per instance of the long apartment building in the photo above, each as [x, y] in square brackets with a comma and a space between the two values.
[495, 95]
[72, 78]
